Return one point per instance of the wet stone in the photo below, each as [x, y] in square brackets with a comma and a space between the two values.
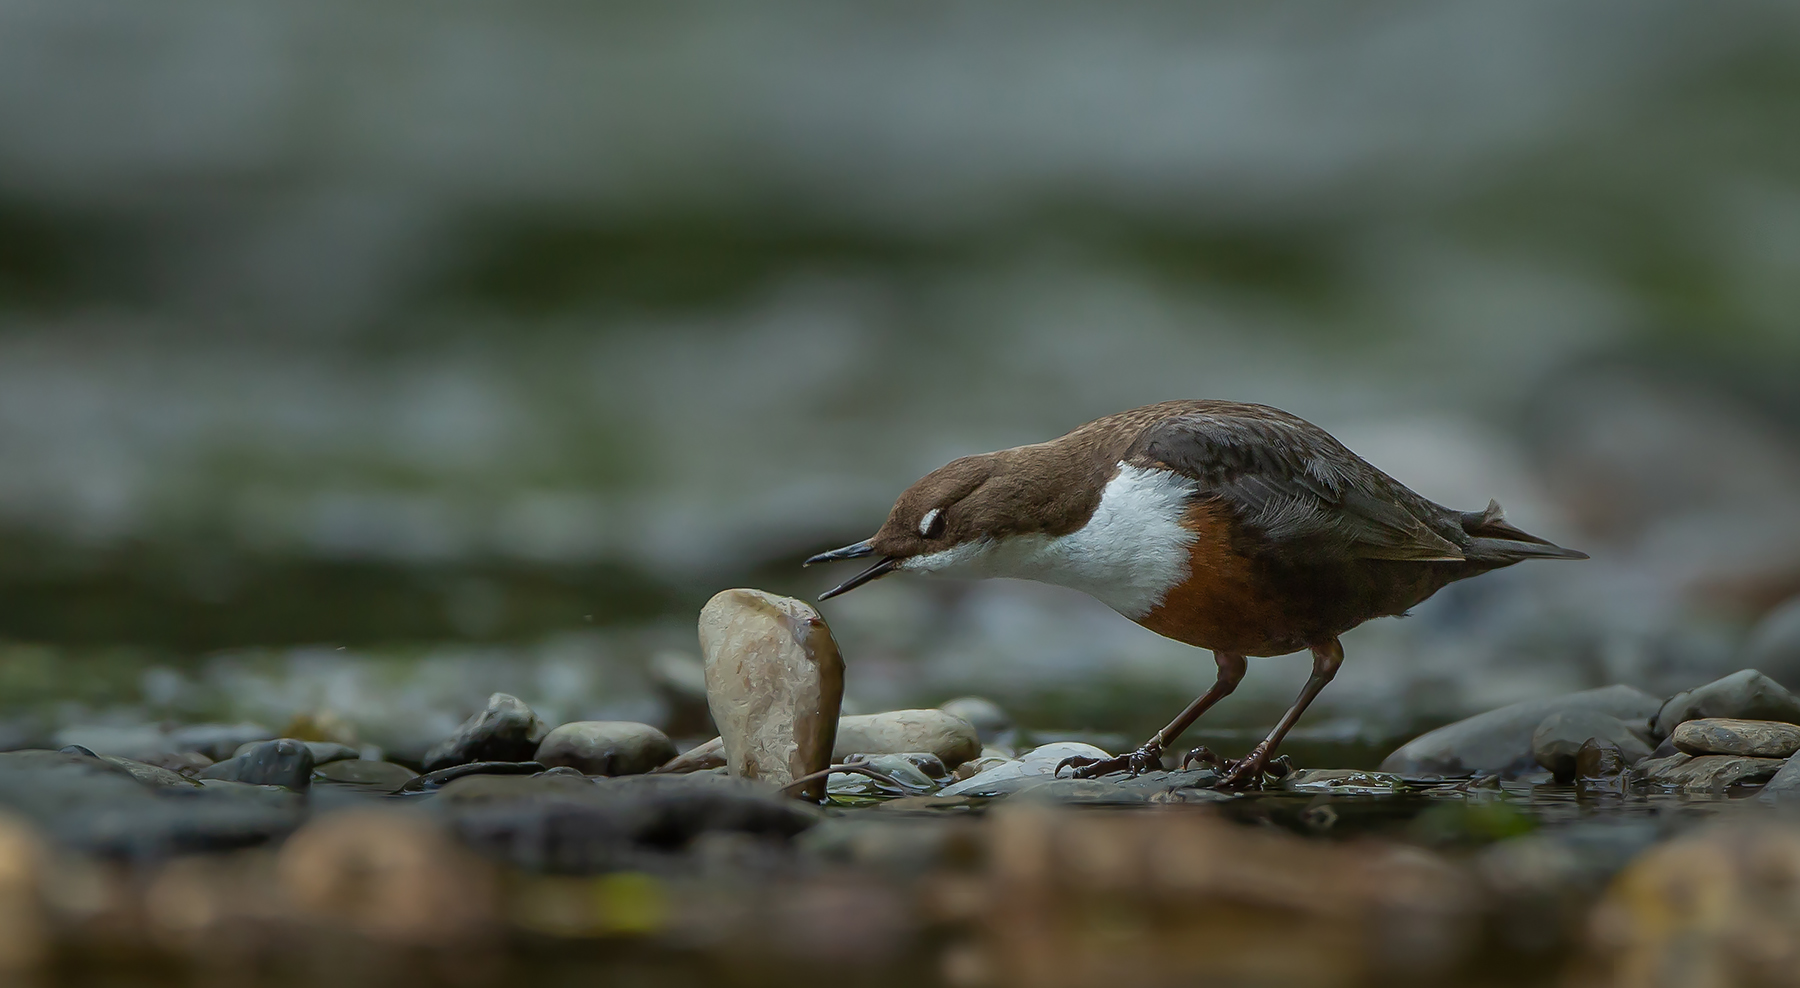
[989, 720]
[322, 751]
[1558, 739]
[774, 683]
[1744, 695]
[1596, 760]
[1709, 773]
[1728, 736]
[908, 779]
[976, 766]
[606, 747]
[1343, 782]
[1036, 766]
[505, 731]
[378, 776]
[1499, 742]
[185, 763]
[150, 775]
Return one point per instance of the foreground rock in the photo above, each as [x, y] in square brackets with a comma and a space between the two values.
[896, 732]
[1743, 695]
[1558, 740]
[505, 731]
[774, 683]
[1728, 736]
[1718, 907]
[1499, 742]
[606, 747]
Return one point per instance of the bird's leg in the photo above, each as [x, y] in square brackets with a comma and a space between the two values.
[1231, 672]
[1247, 772]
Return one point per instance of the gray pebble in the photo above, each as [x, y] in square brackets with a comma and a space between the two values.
[606, 747]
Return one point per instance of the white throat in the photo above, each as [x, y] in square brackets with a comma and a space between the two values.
[1127, 556]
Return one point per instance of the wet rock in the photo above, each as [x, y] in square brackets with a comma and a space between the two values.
[1119, 789]
[909, 780]
[606, 823]
[1036, 766]
[218, 741]
[949, 737]
[1784, 788]
[606, 747]
[477, 789]
[1774, 645]
[1343, 781]
[774, 682]
[432, 781]
[1499, 742]
[699, 758]
[1557, 740]
[1717, 907]
[989, 720]
[1727, 736]
[1597, 760]
[389, 876]
[377, 776]
[1708, 773]
[1744, 695]
[505, 731]
[282, 762]
[187, 764]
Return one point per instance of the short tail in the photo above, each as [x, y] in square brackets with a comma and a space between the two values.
[1493, 539]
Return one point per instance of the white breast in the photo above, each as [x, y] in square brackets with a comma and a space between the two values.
[1127, 556]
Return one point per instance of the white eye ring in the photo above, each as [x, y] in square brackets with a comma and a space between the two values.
[930, 519]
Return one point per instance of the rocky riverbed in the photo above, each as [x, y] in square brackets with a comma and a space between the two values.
[1606, 837]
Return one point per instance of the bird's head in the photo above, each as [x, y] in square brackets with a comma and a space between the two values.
[952, 512]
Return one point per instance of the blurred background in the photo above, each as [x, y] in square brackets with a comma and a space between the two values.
[364, 360]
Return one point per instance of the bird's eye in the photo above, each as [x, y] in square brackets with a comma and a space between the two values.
[932, 525]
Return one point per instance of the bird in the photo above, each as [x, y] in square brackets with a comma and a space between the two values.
[1230, 526]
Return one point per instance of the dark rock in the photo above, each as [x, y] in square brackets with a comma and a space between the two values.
[1708, 773]
[1745, 695]
[1665, 748]
[150, 775]
[1499, 742]
[606, 747]
[282, 762]
[75, 749]
[1726, 736]
[218, 741]
[633, 821]
[378, 776]
[505, 731]
[1596, 760]
[322, 751]
[432, 781]
[986, 716]
[1784, 788]
[1560, 736]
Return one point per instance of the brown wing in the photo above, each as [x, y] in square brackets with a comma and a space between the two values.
[1291, 482]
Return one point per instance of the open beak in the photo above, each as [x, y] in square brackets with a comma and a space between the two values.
[860, 550]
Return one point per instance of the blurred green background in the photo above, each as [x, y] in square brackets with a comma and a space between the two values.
[368, 358]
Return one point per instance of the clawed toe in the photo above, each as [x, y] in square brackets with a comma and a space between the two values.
[1136, 763]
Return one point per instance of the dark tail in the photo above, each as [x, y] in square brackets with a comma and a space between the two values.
[1493, 539]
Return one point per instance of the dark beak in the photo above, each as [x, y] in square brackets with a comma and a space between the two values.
[860, 550]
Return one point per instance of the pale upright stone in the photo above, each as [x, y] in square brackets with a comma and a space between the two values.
[774, 680]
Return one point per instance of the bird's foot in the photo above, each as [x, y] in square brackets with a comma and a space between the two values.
[1137, 763]
[1205, 756]
[1246, 772]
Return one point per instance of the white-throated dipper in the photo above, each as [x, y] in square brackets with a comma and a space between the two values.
[1235, 527]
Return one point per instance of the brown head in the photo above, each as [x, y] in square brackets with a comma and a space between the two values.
[977, 501]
